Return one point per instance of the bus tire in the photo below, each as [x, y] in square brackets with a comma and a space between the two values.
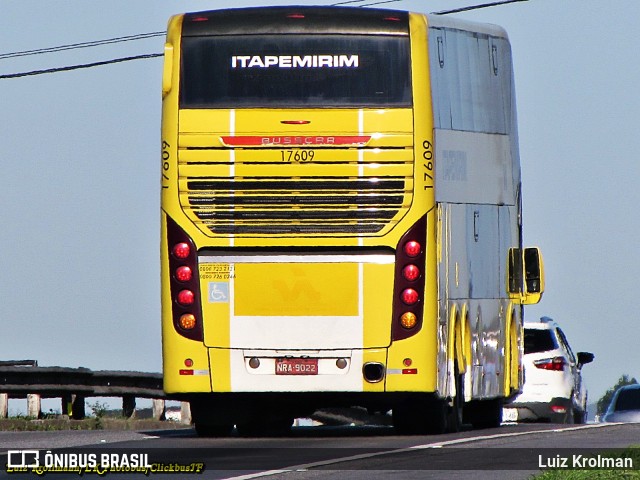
[421, 418]
[208, 430]
[455, 411]
[484, 413]
[271, 425]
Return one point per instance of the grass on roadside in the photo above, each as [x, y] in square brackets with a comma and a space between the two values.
[89, 423]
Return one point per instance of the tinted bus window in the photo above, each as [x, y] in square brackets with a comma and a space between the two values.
[293, 71]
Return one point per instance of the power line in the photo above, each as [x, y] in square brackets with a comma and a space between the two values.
[74, 46]
[142, 36]
[476, 7]
[347, 2]
[77, 67]
[378, 3]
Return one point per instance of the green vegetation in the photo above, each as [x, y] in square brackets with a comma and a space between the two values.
[99, 418]
[99, 412]
[91, 423]
[604, 402]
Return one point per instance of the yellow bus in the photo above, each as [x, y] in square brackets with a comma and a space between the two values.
[341, 218]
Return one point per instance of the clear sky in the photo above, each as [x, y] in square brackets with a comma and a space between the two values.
[80, 170]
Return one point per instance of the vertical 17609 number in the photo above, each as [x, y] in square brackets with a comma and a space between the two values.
[427, 164]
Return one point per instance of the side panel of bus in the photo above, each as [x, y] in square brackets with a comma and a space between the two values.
[477, 180]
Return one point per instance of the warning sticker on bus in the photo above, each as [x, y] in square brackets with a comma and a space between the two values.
[296, 366]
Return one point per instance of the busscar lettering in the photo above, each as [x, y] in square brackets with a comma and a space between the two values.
[295, 61]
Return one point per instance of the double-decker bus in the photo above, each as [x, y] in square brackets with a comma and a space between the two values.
[341, 218]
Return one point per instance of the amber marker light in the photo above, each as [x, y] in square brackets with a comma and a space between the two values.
[408, 320]
[188, 321]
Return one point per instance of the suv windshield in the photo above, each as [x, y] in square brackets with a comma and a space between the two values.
[538, 341]
[235, 71]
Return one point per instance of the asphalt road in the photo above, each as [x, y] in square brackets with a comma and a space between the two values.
[508, 452]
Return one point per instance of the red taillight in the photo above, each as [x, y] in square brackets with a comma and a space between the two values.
[181, 250]
[184, 282]
[555, 364]
[184, 274]
[410, 296]
[186, 297]
[409, 282]
[412, 248]
[296, 16]
[410, 272]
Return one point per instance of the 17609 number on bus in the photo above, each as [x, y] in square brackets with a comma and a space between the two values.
[297, 156]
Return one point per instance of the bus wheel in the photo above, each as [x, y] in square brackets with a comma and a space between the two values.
[207, 430]
[420, 418]
[277, 426]
[455, 410]
[484, 413]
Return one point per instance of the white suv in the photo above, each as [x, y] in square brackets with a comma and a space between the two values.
[553, 390]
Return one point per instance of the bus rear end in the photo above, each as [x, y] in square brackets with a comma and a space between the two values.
[295, 220]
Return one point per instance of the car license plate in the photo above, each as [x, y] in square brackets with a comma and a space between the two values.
[509, 414]
[296, 366]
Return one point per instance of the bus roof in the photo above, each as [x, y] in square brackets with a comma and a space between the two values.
[296, 20]
[441, 21]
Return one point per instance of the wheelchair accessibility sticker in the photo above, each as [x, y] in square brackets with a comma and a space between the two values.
[218, 292]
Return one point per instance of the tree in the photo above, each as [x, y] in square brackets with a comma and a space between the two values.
[604, 402]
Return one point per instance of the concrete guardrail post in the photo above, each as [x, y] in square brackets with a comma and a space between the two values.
[4, 405]
[34, 405]
[185, 413]
[159, 409]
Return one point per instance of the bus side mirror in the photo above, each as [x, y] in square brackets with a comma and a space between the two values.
[167, 71]
[525, 275]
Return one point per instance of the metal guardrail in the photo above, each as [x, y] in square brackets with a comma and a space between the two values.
[56, 381]
[23, 378]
